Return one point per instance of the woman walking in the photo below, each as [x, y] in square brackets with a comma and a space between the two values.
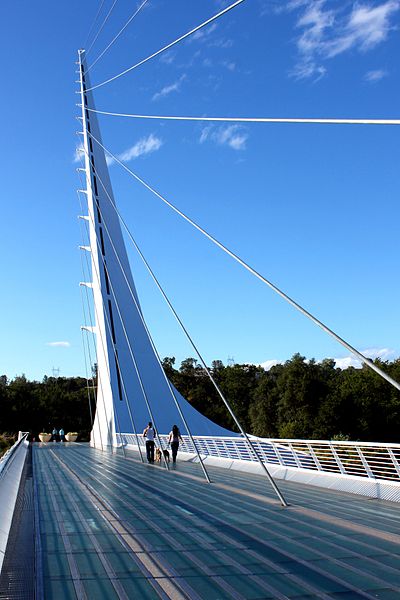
[173, 440]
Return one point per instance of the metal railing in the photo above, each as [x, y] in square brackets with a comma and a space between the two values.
[11, 468]
[373, 460]
[5, 459]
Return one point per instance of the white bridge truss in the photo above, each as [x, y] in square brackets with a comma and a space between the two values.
[367, 468]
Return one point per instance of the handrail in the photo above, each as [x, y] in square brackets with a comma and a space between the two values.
[370, 460]
[5, 459]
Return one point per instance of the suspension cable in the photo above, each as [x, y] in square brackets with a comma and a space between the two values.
[132, 355]
[190, 339]
[108, 367]
[94, 267]
[147, 331]
[250, 119]
[87, 383]
[277, 290]
[94, 21]
[117, 361]
[182, 37]
[109, 433]
[117, 36]
[101, 26]
[90, 319]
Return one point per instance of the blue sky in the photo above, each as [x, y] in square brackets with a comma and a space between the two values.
[312, 207]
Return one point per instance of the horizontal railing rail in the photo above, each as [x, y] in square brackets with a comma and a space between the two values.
[373, 460]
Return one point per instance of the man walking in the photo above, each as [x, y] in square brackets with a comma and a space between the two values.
[149, 434]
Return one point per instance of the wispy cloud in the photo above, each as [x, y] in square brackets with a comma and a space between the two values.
[223, 43]
[233, 136]
[373, 76]
[326, 32]
[79, 153]
[58, 344]
[230, 65]
[145, 145]
[168, 89]
[168, 57]
[204, 33]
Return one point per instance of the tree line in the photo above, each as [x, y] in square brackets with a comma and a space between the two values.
[297, 399]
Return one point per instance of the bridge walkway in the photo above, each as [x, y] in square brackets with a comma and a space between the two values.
[110, 527]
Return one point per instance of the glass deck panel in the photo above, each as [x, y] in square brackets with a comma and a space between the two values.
[138, 526]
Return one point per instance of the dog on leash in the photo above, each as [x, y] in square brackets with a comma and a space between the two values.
[158, 455]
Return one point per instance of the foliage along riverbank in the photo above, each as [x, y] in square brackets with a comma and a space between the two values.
[297, 399]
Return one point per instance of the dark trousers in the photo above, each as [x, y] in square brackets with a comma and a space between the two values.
[174, 448]
[150, 450]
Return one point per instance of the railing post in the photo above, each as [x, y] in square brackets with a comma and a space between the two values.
[394, 461]
[315, 457]
[339, 463]
[366, 466]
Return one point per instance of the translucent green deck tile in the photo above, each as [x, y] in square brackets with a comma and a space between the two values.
[52, 543]
[321, 581]
[155, 542]
[89, 565]
[360, 580]
[49, 526]
[390, 560]
[55, 565]
[208, 588]
[377, 543]
[60, 590]
[123, 563]
[283, 584]
[323, 545]
[250, 589]
[139, 588]
[208, 557]
[100, 589]
[386, 575]
[175, 558]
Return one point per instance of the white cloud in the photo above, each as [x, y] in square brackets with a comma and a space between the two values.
[327, 32]
[79, 154]
[367, 26]
[221, 43]
[168, 89]
[352, 361]
[376, 75]
[145, 145]
[230, 65]
[58, 344]
[202, 34]
[168, 57]
[269, 363]
[233, 136]
[346, 361]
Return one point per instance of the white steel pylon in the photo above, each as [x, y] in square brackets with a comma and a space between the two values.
[132, 388]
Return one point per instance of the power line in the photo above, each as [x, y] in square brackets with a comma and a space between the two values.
[182, 37]
[101, 26]
[263, 279]
[118, 34]
[252, 119]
